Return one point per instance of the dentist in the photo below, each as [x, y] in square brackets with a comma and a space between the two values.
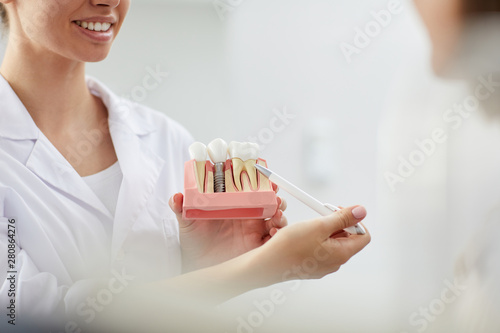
[86, 177]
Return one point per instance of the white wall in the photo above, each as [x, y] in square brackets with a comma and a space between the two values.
[227, 77]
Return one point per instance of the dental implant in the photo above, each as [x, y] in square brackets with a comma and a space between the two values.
[217, 150]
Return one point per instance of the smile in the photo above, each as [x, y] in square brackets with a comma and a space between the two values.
[94, 26]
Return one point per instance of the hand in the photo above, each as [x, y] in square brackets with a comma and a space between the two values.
[310, 249]
[206, 243]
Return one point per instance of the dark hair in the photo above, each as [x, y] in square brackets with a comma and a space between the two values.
[481, 6]
[3, 16]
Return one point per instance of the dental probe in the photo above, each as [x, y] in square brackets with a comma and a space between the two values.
[322, 209]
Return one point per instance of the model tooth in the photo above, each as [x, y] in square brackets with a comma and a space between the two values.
[198, 152]
[238, 164]
[244, 157]
[217, 150]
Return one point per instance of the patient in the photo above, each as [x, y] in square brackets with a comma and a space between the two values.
[465, 36]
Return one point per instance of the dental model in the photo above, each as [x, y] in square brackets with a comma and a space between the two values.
[227, 188]
[198, 152]
[217, 150]
[244, 157]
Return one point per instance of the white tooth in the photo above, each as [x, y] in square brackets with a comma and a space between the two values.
[85, 25]
[91, 26]
[244, 150]
[244, 157]
[217, 150]
[105, 26]
[97, 27]
[198, 152]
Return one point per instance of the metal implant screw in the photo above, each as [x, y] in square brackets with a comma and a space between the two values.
[219, 178]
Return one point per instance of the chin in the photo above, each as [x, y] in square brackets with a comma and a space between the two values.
[95, 57]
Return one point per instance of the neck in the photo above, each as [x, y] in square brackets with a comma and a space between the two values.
[52, 88]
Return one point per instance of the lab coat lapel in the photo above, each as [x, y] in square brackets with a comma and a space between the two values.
[141, 169]
[60, 174]
[44, 159]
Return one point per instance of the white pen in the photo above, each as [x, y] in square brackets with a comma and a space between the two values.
[321, 208]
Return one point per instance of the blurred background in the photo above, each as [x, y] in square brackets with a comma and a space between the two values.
[327, 103]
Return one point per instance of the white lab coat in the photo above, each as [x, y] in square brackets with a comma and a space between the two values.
[63, 250]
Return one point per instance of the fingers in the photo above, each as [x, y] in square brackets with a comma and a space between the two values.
[340, 234]
[348, 246]
[343, 219]
[344, 244]
[175, 204]
[278, 221]
[283, 204]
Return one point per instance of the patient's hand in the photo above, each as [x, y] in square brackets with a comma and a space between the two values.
[206, 243]
[311, 249]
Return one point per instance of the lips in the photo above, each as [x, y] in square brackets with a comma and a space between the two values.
[95, 31]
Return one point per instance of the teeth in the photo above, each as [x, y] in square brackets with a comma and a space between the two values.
[217, 150]
[244, 157]
[94, 26]
[106, 26]
[198, 152]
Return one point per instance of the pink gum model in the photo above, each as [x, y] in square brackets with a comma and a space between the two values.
[260, 204]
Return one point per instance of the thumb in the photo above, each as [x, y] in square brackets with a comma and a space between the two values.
[344, 218]
[175, 204]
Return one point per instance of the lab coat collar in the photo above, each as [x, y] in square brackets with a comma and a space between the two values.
[50, 165]
[15, 121]
[120, 110]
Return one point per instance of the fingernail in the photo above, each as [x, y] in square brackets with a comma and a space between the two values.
[175, 198]
[359, 212]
